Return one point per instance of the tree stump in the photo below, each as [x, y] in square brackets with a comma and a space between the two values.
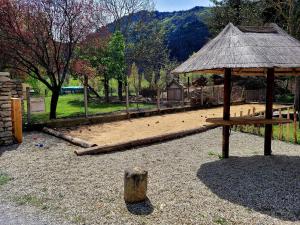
[135, 185]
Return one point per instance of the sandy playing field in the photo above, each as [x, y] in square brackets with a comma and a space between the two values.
[135, 129]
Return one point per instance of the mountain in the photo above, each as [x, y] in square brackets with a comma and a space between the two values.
[185, 31]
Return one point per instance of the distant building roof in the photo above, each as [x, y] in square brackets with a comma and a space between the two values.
[248, 51]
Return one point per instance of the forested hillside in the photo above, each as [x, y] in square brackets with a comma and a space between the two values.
[185, 31]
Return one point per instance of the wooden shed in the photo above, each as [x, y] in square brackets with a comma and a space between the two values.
[247, 51]
[175, 91]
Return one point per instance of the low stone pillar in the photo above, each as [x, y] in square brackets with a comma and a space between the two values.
[135, 185]
[6, 136]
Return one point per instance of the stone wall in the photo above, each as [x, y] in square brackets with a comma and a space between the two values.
[8, 89]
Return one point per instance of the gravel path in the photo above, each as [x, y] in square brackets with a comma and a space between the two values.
[188, 184]
[13, 215]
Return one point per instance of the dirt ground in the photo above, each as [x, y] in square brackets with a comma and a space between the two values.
[135, 129]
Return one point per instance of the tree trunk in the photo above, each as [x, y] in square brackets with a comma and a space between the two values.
[54, 101]
[158, 99]
[106, 89]
[120, 90]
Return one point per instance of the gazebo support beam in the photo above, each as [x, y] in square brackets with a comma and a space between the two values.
[226, 112]
[269, 111]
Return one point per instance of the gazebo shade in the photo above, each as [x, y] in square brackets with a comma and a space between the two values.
[247, 51]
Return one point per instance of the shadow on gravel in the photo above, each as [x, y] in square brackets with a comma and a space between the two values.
[8, 148]
[269, 185]
[142, 208]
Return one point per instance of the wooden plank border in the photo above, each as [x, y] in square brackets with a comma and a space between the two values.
[72, 140]
[141, 142]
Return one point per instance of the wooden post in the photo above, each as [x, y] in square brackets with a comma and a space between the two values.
[201, 96]
[127, 100]
[295, 127]
[85, 84]
[16, 115]
[188, 87]
[226, 112]
[28, 105]
[269, 111]
[288, 137]
[135, 185]
[158, 99]
[280, 126]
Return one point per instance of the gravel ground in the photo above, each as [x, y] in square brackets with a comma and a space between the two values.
[188, 184]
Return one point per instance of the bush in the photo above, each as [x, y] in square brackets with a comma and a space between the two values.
[148, 92]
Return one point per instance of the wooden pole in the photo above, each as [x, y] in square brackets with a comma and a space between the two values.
[85, 96]
[188, 87]
[16, 115]
[28, 105]
[295, 127]
[269, 111]
[280, 126]
[288, 136]
[226, 112]
[127, 100]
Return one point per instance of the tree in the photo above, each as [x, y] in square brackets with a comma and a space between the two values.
[135, 81]
[287, 15]
[41, 37]
[238, 12]
[115, 60]
[94, 50]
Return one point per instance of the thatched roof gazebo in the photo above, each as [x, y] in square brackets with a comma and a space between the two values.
[247, 51]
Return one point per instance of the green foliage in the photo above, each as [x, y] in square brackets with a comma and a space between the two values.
[147, 49]
[238, 12]
[135, 79]
[4, 178]
[115, 60]
[184, 32]
[36, 85]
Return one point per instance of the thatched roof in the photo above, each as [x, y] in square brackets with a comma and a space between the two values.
[248, 51]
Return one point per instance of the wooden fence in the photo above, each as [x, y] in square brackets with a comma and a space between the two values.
[283, 132]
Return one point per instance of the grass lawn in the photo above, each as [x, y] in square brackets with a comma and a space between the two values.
[276, 131]
[72, 105]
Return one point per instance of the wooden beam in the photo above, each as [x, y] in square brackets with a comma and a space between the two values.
[247, 121]
[269, 111]
[226, 112]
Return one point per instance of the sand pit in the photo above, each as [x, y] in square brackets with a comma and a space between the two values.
[136, 129]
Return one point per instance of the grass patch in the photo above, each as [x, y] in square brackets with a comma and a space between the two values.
[210, 153]
[260, 131]
[4, 178]
[72, 105]
[30, 200]
[221, 221]
[78, 219]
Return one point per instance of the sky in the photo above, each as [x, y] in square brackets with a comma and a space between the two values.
[176, 5]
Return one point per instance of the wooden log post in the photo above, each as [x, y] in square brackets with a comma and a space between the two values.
[16, 115]
[127, 100]
[288, 136]
[280, 136]
[85, 84]
[135, 185]
[269, 111]
[28, 105]
[295, 127]
[226, 112]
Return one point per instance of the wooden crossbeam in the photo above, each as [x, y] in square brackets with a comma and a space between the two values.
[247, 121]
